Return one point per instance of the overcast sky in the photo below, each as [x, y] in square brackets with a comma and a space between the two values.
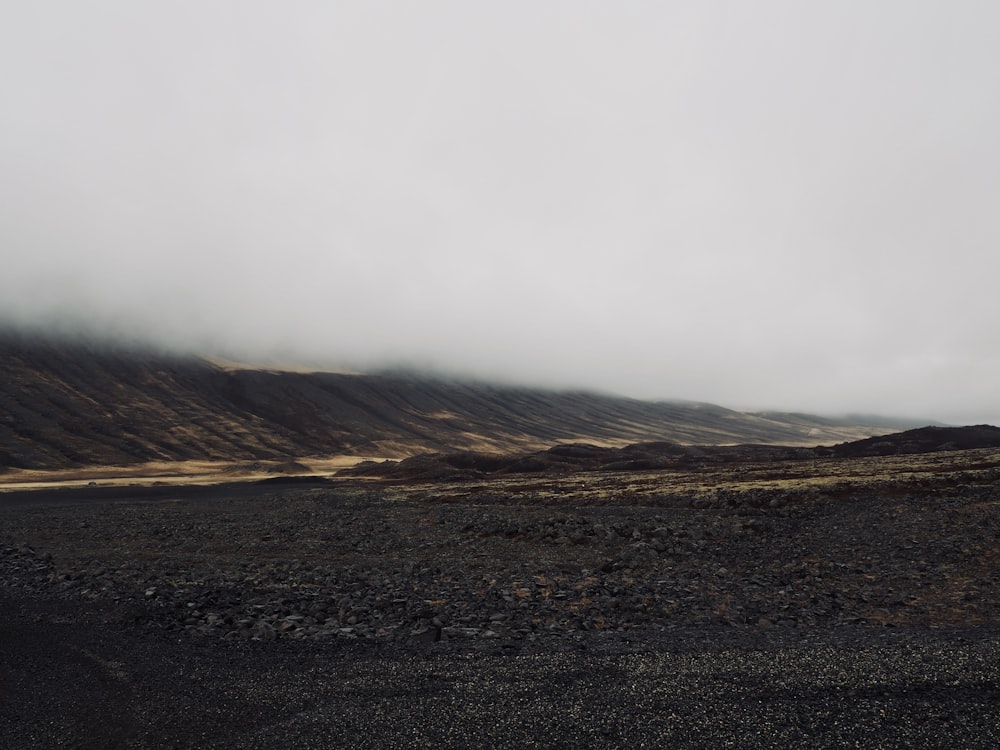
[769, 204]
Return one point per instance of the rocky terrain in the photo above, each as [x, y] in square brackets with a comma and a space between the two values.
[820, 602]
[838, 542]
[70, 404]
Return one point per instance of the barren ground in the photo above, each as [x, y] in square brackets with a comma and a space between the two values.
[822, 603]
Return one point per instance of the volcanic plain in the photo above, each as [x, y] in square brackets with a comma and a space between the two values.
[576, 597]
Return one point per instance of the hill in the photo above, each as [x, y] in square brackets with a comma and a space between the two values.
[922, 440]
[65, 404]
[671, 456]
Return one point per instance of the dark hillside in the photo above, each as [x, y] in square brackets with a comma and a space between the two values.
[66, 404]
[922, 440]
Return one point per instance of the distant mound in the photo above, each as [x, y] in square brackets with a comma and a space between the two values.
[665, 455]
[922, 440]
[574, 457]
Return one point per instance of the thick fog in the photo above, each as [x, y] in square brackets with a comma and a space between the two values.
[777, 205]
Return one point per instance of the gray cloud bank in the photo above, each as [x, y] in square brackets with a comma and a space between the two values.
[766, 205]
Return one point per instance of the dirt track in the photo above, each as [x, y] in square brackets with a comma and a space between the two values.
[406, 616]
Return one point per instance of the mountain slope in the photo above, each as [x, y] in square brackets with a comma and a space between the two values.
[71, 404]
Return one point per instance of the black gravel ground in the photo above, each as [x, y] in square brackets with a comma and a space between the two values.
[346, 618]
[81, 677]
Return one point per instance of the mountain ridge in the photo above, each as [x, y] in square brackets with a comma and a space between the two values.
[70, 403]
